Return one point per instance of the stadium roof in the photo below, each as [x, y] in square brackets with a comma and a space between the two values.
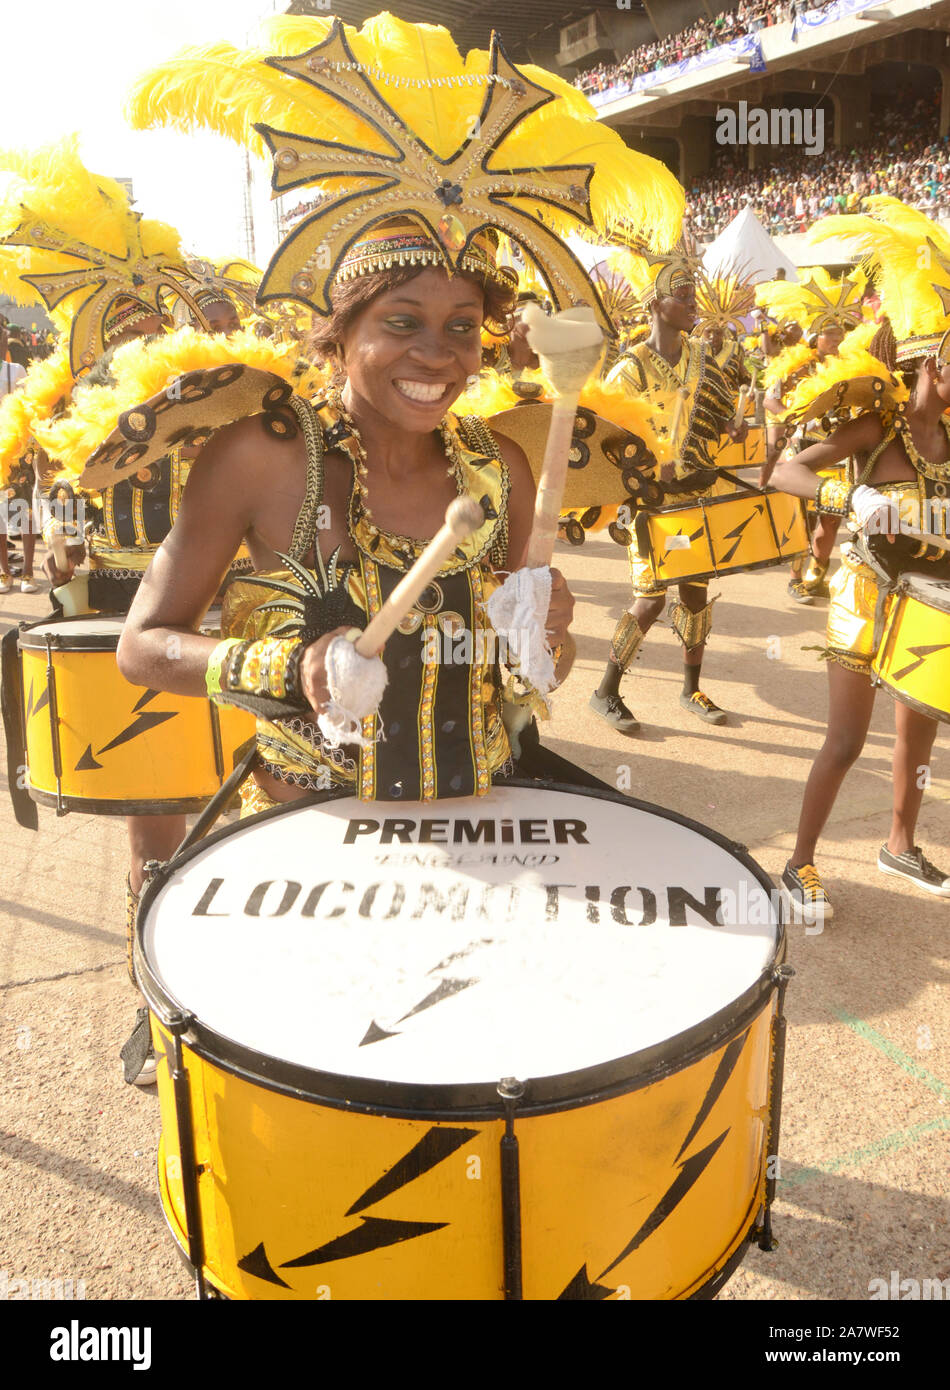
[471, 21]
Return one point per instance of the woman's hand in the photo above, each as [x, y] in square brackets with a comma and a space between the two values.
[75, 554]
[560, 610]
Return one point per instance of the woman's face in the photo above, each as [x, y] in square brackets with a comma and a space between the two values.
[409, 353]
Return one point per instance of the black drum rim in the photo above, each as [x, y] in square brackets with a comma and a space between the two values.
[475, 1100]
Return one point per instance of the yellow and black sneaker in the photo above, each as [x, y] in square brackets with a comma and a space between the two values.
[807, 899]
[703, 708]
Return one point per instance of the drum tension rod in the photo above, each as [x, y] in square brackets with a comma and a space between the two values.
[54, 726]
[511, 1091]
[780, 976]
[178, 1024]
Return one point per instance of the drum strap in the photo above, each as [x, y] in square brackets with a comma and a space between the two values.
[739, 482]
[11, 695]
[219, 802]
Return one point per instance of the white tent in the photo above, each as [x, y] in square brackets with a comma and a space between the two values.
[745, 246]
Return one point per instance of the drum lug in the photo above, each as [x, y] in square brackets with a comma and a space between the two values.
[178, 1023]
[780, 978]
[511, 1090]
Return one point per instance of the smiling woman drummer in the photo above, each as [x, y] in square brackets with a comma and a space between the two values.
[338, 497]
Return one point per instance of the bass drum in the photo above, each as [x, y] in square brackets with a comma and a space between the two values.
[913, 659]
[525, 1046]
[97, 744]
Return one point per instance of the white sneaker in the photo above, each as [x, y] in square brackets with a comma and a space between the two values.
[28, 587]
[6, 583]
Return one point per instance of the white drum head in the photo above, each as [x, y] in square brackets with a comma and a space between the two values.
[934, 592]
[529, 933]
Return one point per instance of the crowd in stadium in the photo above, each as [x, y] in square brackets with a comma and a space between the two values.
[906, 159]
[745, 18]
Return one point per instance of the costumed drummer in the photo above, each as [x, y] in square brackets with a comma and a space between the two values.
[338, 498]
[697, 406]
[899, 452]
[109, 279]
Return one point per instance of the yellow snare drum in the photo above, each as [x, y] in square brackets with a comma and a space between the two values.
[706, 538]
[913, 659]
[457, 1052]
[97, 744]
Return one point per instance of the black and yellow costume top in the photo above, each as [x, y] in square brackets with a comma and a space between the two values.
[709, 407]
[438, 731]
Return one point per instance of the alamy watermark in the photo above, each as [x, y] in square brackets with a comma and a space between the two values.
[775, 126]
[40, 1290]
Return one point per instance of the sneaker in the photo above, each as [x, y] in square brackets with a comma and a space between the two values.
[806, 897]
[6, 583]
[138, 1056]
[614, 712]
[703, 708]
[913, 866]
[799, 592]
[28, 587]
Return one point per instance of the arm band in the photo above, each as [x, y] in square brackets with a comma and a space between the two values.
[833, 496]
[266, 669]
[215, 662]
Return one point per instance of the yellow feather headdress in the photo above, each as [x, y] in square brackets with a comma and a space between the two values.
[45, 388]
[908, 257]
[815, 302]
[723, 301]
[233, 281]
[420, 152]
[84, 251]
[853, 380]
[144, 367]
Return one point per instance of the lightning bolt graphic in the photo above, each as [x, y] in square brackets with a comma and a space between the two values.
[141, 724]
[694, 537]
[737, 533]
[445, 989]
[373, 1232]
[921, 654]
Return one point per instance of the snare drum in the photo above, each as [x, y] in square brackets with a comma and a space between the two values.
[528, 1046]
[97, 744]
[913, 659]
[706, 538]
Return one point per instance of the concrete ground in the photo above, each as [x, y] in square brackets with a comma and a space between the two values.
[865, 1176]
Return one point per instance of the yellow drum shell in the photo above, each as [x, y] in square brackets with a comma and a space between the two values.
[913, 659]
[728, 534]
[647, 1195]
[120, 749]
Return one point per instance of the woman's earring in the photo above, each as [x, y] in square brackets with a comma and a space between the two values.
[472, 380]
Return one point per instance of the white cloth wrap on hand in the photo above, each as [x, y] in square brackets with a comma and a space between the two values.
[876, 514]
[518, 612]
[356, 684]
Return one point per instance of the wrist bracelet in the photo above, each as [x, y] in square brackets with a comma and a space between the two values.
[215, 662]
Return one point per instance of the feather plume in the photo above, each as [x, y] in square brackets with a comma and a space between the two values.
[789, 361]
[141, 369]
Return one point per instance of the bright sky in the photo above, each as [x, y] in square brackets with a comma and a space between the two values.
[68, 64]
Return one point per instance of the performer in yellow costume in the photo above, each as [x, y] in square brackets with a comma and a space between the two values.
[694, 407]
[827, 310]
[898, 459]
[410, 278]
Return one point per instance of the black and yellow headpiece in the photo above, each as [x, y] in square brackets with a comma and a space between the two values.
[390, 123]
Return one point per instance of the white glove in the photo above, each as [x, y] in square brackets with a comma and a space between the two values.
[518, 612]
[877, 516]
[356, 684]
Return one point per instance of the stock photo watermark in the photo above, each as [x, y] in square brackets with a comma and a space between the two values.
[758, 125]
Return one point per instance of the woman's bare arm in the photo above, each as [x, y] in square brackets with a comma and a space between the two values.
[796, 475]
[160, 646]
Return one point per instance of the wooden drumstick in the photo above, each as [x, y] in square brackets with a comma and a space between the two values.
[462, 517]
[740, 407]
[569, 346]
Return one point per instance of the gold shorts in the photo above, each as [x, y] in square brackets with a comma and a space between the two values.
[850, 632]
